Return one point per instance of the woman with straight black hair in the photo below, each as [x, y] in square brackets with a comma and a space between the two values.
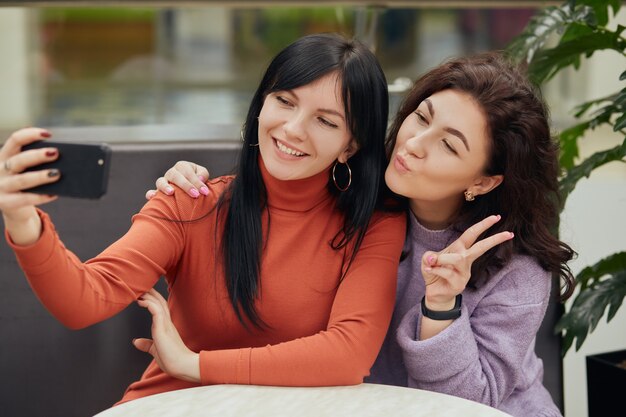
[283, 275]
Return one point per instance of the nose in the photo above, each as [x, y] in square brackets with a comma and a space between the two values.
[295, 126]
[416, 145]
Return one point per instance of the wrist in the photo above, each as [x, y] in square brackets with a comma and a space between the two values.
[190, 368]
[450, 314]
[25, 227]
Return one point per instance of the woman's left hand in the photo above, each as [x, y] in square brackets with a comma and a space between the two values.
[447, 273]
[166, 346]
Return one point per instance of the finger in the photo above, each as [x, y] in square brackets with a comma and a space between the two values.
[472, 233]
[449, 259]
[150, 194]
[22, 137]
[144, 345]
[164, 186]
[429, 258]
[203, 174]
[165, 307]
[184, 180]
[19, 182]
[484, 245]
[31, 158]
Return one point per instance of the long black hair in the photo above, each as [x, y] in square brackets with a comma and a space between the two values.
[522, 150]
[364, 94]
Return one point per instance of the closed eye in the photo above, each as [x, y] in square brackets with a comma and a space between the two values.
[420, 116]
[449, 147]
[327, 123]
[283, 101]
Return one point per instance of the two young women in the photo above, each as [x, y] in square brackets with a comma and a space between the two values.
[470, 149]
[471, 144]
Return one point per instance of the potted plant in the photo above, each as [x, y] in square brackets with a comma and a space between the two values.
[558, 38]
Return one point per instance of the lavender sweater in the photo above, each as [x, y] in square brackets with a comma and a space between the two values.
[488, 354]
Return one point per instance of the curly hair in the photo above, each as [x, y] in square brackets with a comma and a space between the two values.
[522, 149]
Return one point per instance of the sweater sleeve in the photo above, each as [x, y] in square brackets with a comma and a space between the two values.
[80, 294]
[480, 356]
[343, 353]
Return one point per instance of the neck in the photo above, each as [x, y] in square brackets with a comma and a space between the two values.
[435, 215]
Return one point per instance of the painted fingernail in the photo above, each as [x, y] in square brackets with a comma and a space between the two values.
[431, 259]
[201, 178]
[133, 342]
[428, 268]
[51, 152]
[169, 190]
[194, 193]
[204, 190]
[45, 134]
[53, 173]
[512, 235]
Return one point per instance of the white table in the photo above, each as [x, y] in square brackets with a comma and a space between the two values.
[365, 400]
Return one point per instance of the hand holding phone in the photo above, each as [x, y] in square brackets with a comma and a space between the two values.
[84, 169]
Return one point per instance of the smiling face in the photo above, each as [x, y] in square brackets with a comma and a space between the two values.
[441, 151]
[303, 131]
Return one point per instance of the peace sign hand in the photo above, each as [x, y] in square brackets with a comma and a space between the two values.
[446, 273]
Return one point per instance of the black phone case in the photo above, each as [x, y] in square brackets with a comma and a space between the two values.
[84, 169]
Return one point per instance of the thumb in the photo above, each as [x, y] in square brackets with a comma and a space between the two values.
[429, 258]
[143, 345]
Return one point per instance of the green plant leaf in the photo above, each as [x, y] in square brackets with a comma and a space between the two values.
[548, 62]
[568, 140]
[591, 274]
[573, 175]
[620, 123]
[543, 25]
[601, 8]
[589, 307]
[622, 76]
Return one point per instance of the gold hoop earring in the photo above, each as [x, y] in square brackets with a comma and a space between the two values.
[469, 196]
[349, 177]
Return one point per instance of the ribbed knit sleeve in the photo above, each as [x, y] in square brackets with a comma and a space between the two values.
[80, 293]
[344, 351]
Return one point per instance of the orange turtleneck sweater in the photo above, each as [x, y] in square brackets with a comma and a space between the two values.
[321, 330]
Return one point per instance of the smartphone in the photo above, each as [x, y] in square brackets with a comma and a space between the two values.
[84, 169]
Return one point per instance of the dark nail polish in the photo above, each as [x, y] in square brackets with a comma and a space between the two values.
[53, 173]
[46, 135]
[51, 152]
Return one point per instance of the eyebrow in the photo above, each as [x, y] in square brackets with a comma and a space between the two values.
[327, 111]
[450, 130]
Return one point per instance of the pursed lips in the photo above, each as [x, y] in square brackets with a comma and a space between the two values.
[401, 162]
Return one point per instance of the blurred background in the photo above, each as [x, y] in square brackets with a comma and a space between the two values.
[179, 74]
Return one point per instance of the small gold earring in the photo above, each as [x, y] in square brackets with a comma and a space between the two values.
[469, 196]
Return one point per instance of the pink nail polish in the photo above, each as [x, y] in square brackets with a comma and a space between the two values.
[169, 190]
[194, 193]
[431, 259]
[201, 178]
[204, 190]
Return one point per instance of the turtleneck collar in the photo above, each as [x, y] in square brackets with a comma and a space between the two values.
[295, 195]
[434, 240]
